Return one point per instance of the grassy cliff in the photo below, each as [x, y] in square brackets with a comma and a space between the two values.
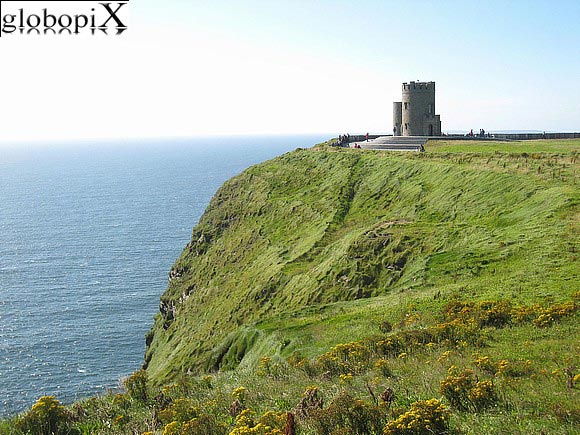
[334, 291]
[369, 229]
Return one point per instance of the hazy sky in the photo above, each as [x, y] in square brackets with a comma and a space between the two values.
[187, 68]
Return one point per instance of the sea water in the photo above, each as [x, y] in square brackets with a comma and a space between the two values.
[88, 233]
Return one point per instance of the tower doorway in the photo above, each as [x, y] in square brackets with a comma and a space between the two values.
[430, 129]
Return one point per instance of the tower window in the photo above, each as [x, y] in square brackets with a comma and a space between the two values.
[406, 106]
[430, 109]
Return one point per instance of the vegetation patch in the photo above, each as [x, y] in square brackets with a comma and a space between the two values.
[335, 291]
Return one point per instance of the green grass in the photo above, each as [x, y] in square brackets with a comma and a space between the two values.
[565, 146]
[324, 246]
[320, 226]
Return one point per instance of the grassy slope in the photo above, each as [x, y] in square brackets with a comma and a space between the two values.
[324, 246]
[282, 242]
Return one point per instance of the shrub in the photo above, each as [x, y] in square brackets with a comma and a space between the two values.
[391, 346]
[271, 423]
[297, 361]
[346, 379]
[136, 386]
[184, 385]
[503, 367]
[181, 410]
[482, 396]
[46, 417]
[543, 317]
[495, 314]
[345, 358]
[383, 366]
[456, 388]
[514, 369]
[464, 392]
[202, 425]
[524, 314]
[264, 368]
[121, 401]
[270, 369]
[426, 417]
[240, 393]
[121, 420]
[486, 364]
[273, 419]
[457, 308]
[310, 402]
[554, 313]
[173, 428]
[348, 415]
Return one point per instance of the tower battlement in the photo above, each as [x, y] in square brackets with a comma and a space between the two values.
[417, 86]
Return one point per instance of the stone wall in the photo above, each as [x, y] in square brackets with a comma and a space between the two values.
[532, 136]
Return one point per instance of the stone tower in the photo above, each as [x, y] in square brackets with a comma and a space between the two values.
[415, 115]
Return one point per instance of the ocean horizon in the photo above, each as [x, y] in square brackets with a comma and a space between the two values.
[88, 233]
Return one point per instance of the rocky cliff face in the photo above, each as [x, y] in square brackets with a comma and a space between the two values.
[318, 226]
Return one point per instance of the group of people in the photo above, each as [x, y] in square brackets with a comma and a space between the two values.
[343, 139]
[482, 133]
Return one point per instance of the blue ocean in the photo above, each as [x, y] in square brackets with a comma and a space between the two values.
[88, 233]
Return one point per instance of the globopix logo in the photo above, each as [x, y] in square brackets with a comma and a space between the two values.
[62, 18]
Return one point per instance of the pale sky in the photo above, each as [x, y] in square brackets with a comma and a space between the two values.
[216, 67]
